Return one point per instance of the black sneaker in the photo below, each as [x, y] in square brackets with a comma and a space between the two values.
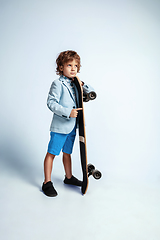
[73, 181]
[49, 190]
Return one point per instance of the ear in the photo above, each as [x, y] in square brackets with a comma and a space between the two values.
[61, 68]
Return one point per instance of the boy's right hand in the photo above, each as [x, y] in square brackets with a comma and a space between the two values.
[74, 112]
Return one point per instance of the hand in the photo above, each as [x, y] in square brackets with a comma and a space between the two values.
[74, 112]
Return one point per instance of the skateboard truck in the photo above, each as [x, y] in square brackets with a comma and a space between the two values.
[94, 172]
[89, 96]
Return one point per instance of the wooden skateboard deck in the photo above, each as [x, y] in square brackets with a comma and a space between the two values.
[87, 169]
[82, 137]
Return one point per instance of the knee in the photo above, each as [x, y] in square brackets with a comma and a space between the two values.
[50, 155]
[66, 155]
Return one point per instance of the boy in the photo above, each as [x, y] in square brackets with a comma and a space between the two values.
[63, 102]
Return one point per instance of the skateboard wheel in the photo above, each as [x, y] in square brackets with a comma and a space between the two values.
[90, 167]
[92, 95]
[96, 174]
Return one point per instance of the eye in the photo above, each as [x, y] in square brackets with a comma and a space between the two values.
[76, 66]
[69, 65]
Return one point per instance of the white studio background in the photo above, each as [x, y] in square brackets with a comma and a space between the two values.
[119, 46]
[118, 42]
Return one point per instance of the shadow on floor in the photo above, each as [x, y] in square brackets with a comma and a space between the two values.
[17, 158]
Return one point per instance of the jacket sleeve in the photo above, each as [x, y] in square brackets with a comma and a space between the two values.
[54, 98]
[87, 88]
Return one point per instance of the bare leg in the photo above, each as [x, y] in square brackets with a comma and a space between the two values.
[48, 163]
[67, 165]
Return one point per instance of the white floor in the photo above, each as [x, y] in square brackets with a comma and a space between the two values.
[111, 209]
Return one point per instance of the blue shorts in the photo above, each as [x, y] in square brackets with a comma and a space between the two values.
[60, 141]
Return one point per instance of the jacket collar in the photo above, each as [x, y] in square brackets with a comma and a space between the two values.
[63, 79]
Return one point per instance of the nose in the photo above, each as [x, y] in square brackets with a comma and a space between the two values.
[73, 67]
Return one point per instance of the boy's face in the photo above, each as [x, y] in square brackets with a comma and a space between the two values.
[70, 69]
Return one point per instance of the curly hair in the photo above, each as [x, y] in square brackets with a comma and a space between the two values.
[65, 57]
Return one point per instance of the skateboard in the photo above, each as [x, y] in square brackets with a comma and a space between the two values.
[87, 169]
